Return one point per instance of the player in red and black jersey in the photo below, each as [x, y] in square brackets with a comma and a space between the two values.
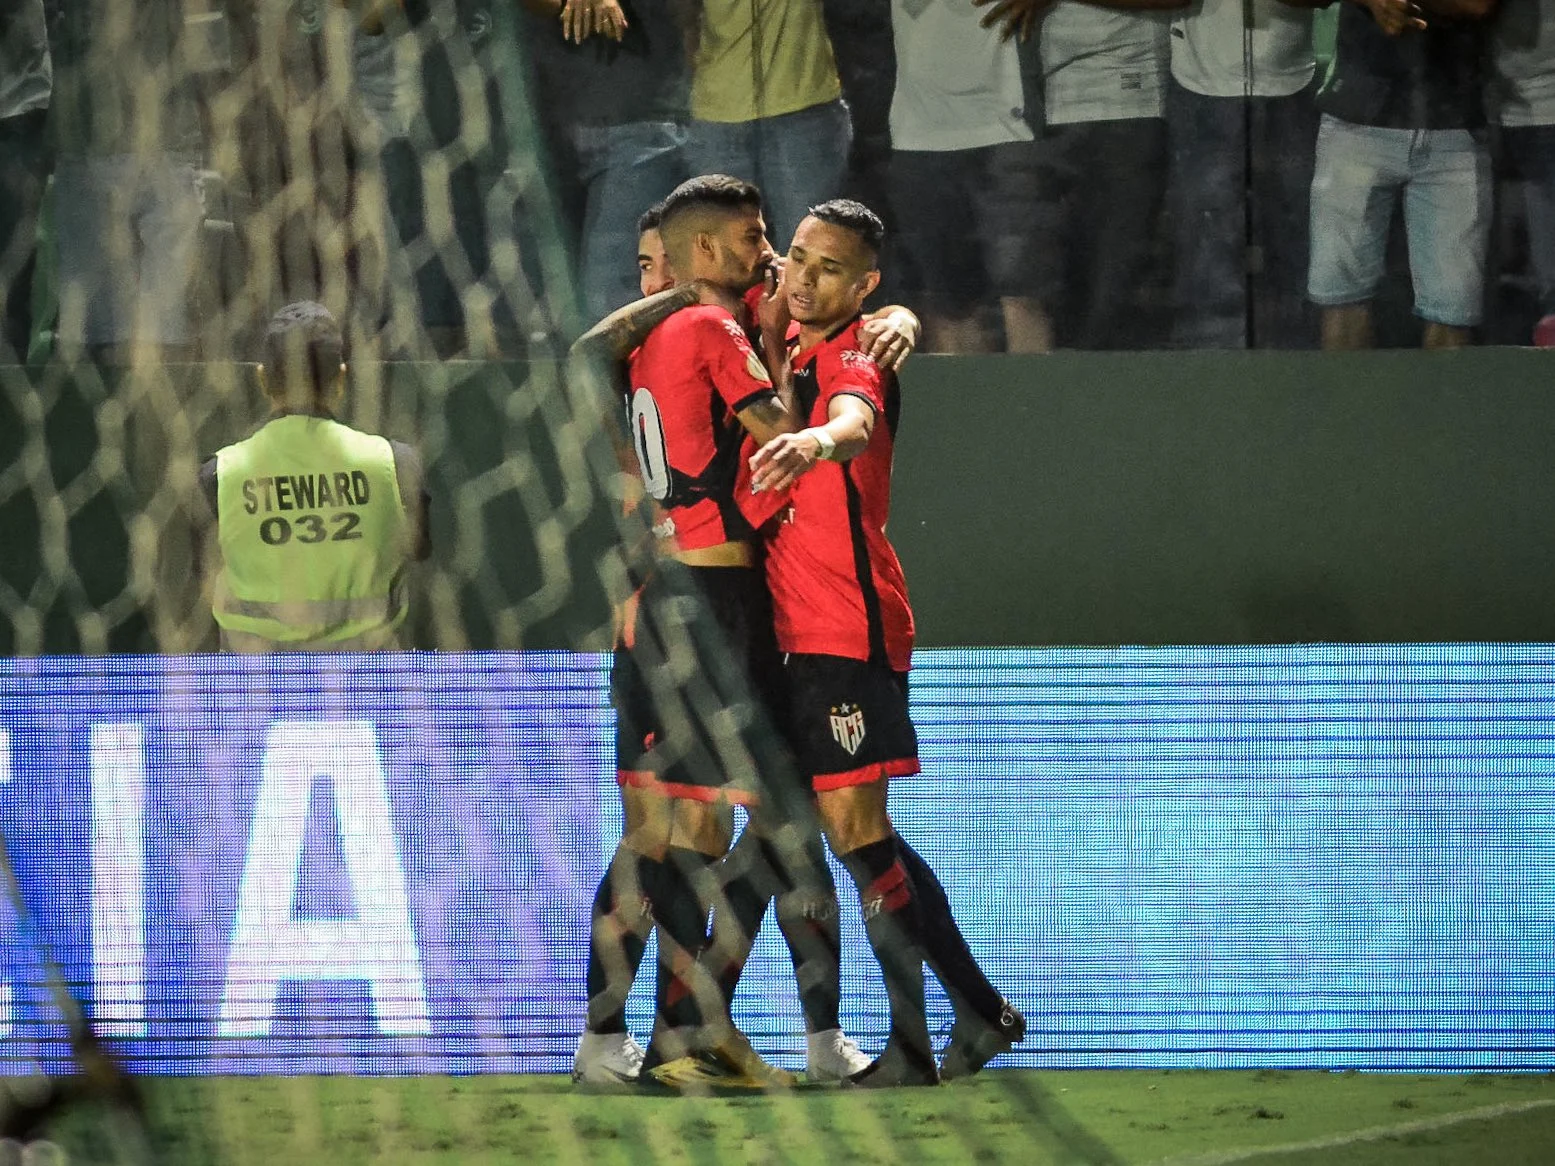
[844, 621]
[684, 743]
[753, 874]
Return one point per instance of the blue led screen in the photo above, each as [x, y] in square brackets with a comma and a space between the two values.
[1330, 856]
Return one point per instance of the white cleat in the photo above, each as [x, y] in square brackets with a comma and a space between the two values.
[834, 1056]
[607, 1058]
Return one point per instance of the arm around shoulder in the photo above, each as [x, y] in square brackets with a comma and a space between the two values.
[613, 338]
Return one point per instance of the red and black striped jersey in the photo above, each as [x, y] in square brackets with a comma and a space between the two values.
[837, 586]
[693, 373]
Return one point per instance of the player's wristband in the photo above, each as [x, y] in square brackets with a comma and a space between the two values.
[825, 440]
[904, 322]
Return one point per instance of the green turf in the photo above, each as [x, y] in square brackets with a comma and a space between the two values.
[1030, 1118]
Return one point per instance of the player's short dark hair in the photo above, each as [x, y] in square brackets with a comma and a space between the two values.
[303, 347]
[708, 192]
[856, 217]
[650, 219]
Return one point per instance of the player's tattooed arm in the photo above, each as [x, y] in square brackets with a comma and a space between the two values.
[890, 336]
[613, 338]
[769, 417]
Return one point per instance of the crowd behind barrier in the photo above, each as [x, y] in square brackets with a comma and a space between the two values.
[1118, 174]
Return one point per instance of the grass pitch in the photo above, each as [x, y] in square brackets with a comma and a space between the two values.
[1026, 1118]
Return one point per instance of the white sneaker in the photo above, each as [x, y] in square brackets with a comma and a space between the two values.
[834, 1056]
[607, 1058]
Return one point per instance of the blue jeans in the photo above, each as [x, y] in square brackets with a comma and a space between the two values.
[1532, 151]
[798, 159]
[1211, 141]
[128, 229]
[624, 169]
[1445, 179]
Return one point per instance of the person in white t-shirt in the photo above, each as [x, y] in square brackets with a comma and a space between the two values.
[1524, 57]
[964, 179]
[1243, 129]
[1104, 165]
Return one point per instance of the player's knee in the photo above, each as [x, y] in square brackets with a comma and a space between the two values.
[702, 826]
[851, 822]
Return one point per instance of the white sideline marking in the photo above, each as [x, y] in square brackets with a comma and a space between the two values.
[1375, 1134]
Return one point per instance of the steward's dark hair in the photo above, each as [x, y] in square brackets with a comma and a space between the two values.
[650, 219]
[303, 348]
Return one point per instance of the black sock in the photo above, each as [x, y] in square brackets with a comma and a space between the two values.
[944, 947]
[748, 886]
[618, 933]
[807, 912]
[686, 994]
[890, 910]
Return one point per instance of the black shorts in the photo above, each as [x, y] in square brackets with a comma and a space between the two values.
[694, 682]
[971, 219]
[848, 720]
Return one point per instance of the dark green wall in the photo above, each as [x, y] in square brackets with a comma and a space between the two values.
[1068, 499]
[1237, 497]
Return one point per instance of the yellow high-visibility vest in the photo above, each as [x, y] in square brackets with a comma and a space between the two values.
[314, 538]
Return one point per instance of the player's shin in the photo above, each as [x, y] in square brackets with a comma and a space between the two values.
[687, 996]
[944, 946]
[889, 909]
[808, 914]
[748, 886]
[622, 920]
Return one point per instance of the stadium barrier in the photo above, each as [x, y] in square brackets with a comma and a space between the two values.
[1156, 498]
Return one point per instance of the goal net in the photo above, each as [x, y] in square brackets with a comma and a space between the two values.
[351, 864]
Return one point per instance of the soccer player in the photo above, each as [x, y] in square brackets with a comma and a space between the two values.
[698, 387]
[653, 265]
[846, 628]
[315, 522]
[751, 878]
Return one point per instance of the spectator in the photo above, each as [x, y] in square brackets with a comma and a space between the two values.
[1104, 161]
[128, 203]
[316, 226]
[1403, 113]
[1242, 129]
[461, 213]
[1524, 54]
[384, 62]
[617, 110]
[964, 178]
[766, 104]
[26, 80]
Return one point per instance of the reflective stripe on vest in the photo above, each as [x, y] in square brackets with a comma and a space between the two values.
[314, 534]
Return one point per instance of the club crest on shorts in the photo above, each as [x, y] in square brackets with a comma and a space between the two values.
[847, 725]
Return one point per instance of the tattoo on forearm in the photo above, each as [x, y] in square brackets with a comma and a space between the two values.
[614, 337]
[771, 413]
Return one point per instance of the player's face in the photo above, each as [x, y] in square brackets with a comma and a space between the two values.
[829, 273]
[744, 251]
[653, 265]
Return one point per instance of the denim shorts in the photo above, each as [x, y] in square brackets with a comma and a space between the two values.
[1444, 176]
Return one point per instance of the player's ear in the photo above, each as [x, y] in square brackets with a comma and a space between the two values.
[870, 282]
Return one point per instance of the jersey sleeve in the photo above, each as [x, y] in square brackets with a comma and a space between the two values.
[731, 362]
[852, 373]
